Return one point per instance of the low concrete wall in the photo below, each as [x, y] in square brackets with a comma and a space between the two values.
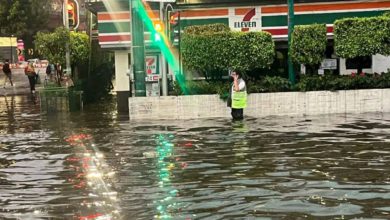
[262, 104]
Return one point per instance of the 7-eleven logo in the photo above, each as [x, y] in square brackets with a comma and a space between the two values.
[150, 65]
[249, 21]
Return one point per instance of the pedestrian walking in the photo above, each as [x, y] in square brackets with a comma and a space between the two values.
[50, 71]
[58, 70]
[238, 96]
[8, 73]
[32, 76]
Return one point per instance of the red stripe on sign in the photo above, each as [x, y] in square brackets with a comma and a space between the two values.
[248, 17]
[277, 31]
[114, 38]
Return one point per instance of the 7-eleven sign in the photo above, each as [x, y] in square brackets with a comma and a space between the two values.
[245, 19]
[151, 65]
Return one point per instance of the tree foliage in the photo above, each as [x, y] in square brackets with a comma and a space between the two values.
[52, 46]
[308, 44]
[214, 48]
[357, 37]
[23, 17]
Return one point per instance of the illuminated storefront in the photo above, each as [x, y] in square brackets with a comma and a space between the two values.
[240, 15]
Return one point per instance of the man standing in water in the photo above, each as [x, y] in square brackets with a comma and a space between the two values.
[238, 96]
[8, 73]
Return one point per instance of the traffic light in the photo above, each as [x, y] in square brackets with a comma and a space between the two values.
[158, 31]
[71, 14]
[72, 10]
[174, 27]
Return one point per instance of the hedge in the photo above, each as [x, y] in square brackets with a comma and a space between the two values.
[306, 83]
[308, 44]
[357, 37]
[214, 48]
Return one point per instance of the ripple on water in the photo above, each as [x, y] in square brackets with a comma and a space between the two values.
[91, 165]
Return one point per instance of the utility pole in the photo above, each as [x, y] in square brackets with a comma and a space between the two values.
[12, 56]
[291, 74]
[138, 48]
[164, 80]
[67, 54]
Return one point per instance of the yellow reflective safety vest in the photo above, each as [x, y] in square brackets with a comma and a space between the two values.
[239, 99]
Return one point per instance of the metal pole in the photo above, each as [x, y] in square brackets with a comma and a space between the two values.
[164, 65]
[12, 56]
[138, 48]
[291, 74]
[67, 54]
[10, 47]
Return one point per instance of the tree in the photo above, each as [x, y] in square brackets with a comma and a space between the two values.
[251, 50]
[213, 49]
[204, 49]
[308, 44]
[360, 37]
[24, 18]
[52, 46]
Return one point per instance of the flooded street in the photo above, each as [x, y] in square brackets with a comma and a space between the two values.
[98, 165]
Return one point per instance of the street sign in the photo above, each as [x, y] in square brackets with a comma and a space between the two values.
[329, 64]
[151, 65]
[250, 21]
[152, 78]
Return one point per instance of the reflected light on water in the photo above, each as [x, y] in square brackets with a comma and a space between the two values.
[97, 174]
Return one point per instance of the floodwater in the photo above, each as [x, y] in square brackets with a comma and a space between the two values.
[98, 165]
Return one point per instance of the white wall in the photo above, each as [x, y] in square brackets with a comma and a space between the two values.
[262, 104]
[121, 67]
[380, 63]
[345, 71]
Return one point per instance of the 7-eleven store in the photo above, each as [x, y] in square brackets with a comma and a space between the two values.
[114, 29]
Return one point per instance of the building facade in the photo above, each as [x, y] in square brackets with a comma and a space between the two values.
[241, 15]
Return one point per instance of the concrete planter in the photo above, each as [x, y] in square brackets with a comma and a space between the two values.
[262, 104]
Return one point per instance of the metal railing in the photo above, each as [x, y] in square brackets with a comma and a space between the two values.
[60, 99]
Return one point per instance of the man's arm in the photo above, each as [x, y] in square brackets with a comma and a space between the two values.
[236, 87]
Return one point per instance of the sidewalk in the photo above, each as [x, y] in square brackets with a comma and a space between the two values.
[21, 84]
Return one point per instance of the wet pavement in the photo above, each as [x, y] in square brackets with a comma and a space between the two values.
[21, 84]
[98, 165]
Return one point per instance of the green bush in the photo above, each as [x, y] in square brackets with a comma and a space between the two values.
[201, 88]
[203, 29]
[356, 37]
[206, 53]
[250, 50]
[308, 44]
[211, 50]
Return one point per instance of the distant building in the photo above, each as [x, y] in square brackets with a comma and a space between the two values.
[8, 49]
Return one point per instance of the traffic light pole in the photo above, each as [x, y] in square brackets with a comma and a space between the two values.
[164, 80]
[67, 54]
[138, 48]
[291, 74]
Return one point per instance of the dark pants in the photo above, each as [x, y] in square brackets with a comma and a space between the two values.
[9, 76]
[237, 113]
[32, 80]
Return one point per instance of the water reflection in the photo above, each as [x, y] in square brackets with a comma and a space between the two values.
[93, 176]
[91, 165]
